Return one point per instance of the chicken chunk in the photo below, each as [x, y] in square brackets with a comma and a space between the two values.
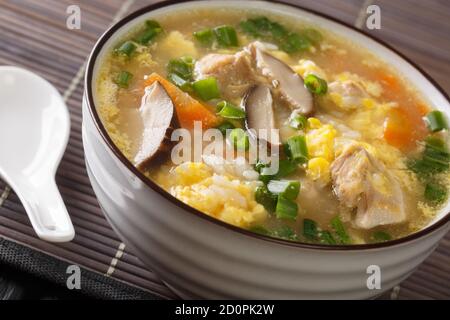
[233, 72]
[361, 181]
[349, 93]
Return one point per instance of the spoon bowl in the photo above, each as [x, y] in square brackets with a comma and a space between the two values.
[34, 131]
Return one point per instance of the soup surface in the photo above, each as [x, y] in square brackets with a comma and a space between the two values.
[353, 155]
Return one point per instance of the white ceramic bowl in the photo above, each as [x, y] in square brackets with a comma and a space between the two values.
[200, 257]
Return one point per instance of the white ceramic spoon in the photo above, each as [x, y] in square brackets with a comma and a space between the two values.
[34, 130]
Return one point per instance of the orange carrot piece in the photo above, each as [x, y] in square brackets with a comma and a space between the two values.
[188, 109]
[403, 128]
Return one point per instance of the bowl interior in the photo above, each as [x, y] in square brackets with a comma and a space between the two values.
[423, 83]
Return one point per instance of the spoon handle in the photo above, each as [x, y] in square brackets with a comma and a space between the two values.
[47, 212]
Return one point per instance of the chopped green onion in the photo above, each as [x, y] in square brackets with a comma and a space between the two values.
[290, 42]
[250, 27]
[207, 88]
[230, 111]
[266, 198]
[123, 79]
[381, 236]
[260, 230]
[435, 158]
[277, 30]
[183, 67]
[295, 42]
[153, 28]
[436, 121]
[180, 82]
[297, 121]
[339, 228]
[285, 168]
[205, 36]
[309, 229]
[259, 165]
[126, 49]
[435, 193]
[262, 27]
[288, 189]
[147, 35]
[286, 209]
[312, 35]
[285, 232]
[152, 24]
[315, 84]
[224, 126]
[239, 138]
[326, 237]
[296, 149]
[226, 36]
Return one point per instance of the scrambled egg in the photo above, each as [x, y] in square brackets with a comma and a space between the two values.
[176, 45]
[306, 67]
[109, 111]
[221, 196]
[320, 141]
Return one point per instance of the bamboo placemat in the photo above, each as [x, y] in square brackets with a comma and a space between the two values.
[33, 35]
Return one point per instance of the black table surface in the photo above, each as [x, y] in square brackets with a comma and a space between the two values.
[16, 285]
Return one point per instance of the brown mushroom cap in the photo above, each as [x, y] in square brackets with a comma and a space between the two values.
[285, 81]
[158, 117]
[258, 105]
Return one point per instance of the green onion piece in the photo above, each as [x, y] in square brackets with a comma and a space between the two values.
[296, 149]
[312, 35]
[309, 229]
[147, 35]
[249, 27]
[224, 126]
[205, 36]
[435, 158]
[285, 168]
[381, 236]
[123, 79]
[207, 88]
[126, 49]
[226, 36]
[339, 228]
[297, 121]
[436, 121]
[285, 232]
[152, 24]
[435, 193]
[277, 30]
[288, 189]
[264, 175]
[230, 111]
[315, 84]
[259, 165]
[266, 198]
[239, 138]
[286, 209]
[180, 82]
[259, 230]
[326, 237]
[183, 67]
[294, 43]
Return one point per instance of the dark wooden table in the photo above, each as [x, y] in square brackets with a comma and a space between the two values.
[33, 35]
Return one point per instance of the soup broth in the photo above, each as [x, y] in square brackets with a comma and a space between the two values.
[365, 161]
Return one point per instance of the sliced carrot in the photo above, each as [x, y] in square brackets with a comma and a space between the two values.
[422, 109]
[188, 109]
[404, 127]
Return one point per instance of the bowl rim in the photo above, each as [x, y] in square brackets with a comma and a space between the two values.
[155, 187]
